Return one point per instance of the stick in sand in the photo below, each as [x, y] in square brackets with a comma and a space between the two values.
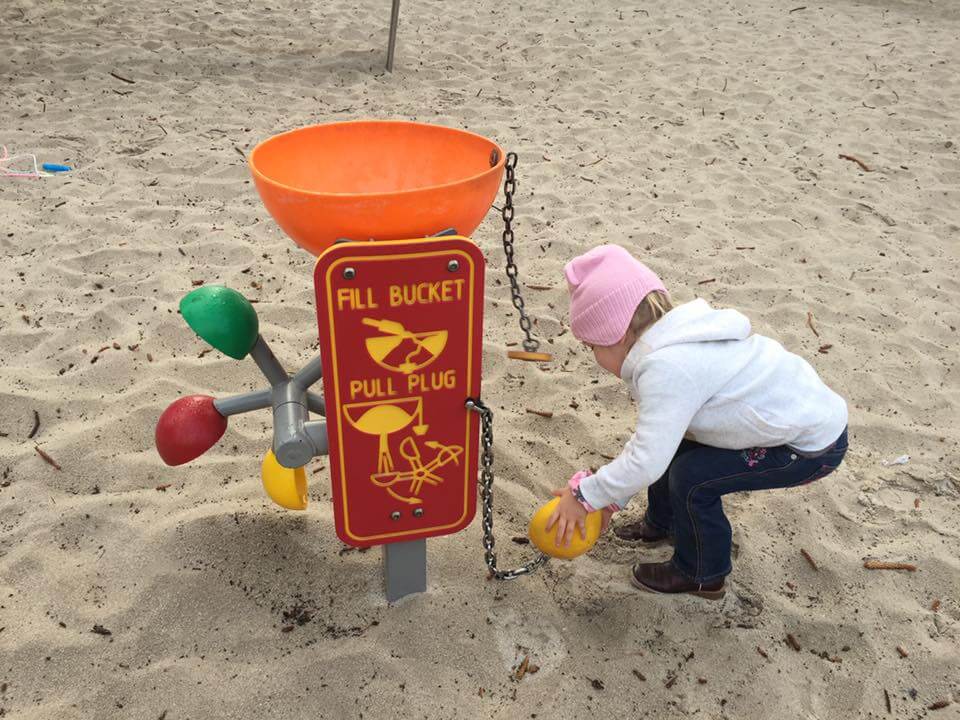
[809, 559]
[859, 162]
[49, 460]
[810, 323]
[881, 565]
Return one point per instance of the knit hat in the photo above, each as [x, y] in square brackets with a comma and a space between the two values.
[606, 284]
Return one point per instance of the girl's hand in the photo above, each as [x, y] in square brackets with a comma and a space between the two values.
[605, 514]
[568, 516]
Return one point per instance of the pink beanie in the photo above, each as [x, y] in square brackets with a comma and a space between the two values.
[606, 284]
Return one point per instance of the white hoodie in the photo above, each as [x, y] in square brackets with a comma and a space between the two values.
[700, 371]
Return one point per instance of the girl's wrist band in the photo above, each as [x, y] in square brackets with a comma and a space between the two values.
[574, 485]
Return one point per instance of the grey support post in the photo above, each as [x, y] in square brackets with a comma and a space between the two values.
[392, 43]
[405, 568]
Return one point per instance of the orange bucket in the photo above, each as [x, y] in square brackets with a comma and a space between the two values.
[376, 179]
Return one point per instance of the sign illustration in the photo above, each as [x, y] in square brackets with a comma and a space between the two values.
[399, 362]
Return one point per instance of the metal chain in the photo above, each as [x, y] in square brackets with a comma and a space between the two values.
[530, 343]
[486, 498]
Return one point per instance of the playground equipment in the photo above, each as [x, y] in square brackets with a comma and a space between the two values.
[400, 329]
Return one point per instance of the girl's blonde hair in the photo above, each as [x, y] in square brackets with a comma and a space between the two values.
[653, 307]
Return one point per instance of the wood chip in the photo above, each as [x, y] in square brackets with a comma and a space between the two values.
[886, 698]
[938, 705]
[916, 503]
[810, 323]
[639, 675]
[49, 460]
[792, 642]
[597, 684]
[196, 283]
[709, 280]
[806, 556]
[881, 565]
[541, 413]
[101, 630]
[149, 357]
[702, 680]
[36, 425]
[859, 162]
[935, 606]
[824, 348]
[521, 668]
[763, 653]
[903, 653]
[746, 247]
[670, 681]
[163, 488]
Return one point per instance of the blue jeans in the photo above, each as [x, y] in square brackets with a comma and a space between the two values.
[686, 503]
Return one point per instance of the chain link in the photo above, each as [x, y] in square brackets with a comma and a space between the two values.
[530, 343]
[486, 498]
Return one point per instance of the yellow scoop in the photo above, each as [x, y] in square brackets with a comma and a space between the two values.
[287, 487]
[546, 539]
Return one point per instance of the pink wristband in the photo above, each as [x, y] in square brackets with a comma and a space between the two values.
[574, 485]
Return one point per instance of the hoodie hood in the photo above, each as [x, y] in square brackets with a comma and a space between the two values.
[689, 323]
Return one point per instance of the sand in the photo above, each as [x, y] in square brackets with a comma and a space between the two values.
[705, 137]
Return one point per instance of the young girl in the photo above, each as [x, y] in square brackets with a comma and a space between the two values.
[721, 410]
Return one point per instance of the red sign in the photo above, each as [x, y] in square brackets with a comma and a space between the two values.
[401, 340]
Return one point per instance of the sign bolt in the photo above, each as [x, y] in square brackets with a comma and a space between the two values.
[349, 273]
[395, 515]
[453, 266]
[418, 512]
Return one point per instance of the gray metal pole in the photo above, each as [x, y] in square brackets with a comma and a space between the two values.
[405, 568]
[392, 45]
[246, 402]
[267, 362]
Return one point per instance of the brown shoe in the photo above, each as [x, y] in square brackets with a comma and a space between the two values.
[644, 532]
[664, 578]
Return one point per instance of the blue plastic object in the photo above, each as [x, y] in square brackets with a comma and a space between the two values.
[53, 167]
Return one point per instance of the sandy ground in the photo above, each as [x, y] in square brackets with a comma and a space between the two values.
[703, 136]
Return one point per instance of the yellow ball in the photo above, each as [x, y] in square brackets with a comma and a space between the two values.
[545, 539]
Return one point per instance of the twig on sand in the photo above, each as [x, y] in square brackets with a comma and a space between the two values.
[886, 698]
[704, 282]
[806, 556]
[49, 460]
[935, 606]
[541, 413]
[859, 162]
[763, 653]
[36, 425]
[824, 348]
[810, 323]
[938, 705]
[797, 9]
[881, 565]
[903, 653]
[792, 642]
[124, 79]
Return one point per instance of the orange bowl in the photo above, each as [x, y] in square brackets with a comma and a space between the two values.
[376, 179]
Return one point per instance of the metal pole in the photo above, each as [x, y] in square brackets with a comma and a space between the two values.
[392, 45]
[405, 568]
